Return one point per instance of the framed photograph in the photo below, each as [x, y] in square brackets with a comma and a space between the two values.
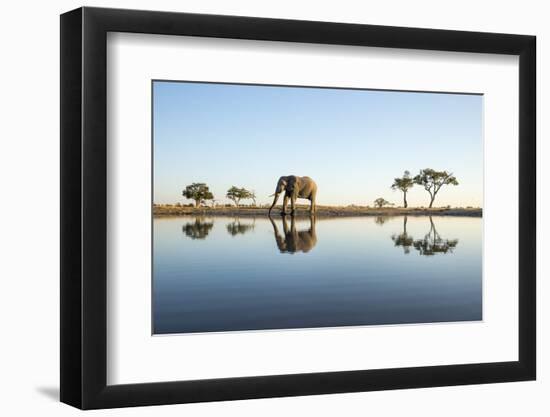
[259, 208]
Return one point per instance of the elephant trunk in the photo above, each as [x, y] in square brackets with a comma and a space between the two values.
[274, 202]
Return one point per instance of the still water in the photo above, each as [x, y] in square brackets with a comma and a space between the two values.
[233, 274]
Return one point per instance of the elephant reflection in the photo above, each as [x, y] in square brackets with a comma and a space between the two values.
[429, 245]
[292, 240]
[237, 228]
[198, 229]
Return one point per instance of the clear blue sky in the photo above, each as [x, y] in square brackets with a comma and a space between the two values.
[351, 142]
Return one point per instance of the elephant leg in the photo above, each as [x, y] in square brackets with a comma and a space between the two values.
[293, 204]
[313, 207]
[285, 202]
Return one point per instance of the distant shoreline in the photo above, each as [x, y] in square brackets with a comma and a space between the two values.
[322, 211]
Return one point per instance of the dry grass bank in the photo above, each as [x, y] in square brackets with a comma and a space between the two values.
[322, 211]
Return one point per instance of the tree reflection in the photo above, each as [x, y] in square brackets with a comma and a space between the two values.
[432, 243]
[198, 229]
[380, 220]
[237, 228]
[292, 240]
[403, 239]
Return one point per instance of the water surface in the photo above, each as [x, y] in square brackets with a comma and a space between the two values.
[234, 274]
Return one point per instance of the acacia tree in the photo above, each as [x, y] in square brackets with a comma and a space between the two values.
[199, 192]
[237, 194]
[433, 180]
[404, 184]
[380, 202]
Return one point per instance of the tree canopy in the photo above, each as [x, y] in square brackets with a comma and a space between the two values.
[253, 196]
[433, 180]
[199, 192]
[380, 202]
[403, 184]
[237, 194]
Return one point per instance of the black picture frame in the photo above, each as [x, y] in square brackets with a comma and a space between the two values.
[84, 207]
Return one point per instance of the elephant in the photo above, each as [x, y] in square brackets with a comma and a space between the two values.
[295, 187]
[295, 241]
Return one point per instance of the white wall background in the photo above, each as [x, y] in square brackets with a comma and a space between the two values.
[29, 225]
